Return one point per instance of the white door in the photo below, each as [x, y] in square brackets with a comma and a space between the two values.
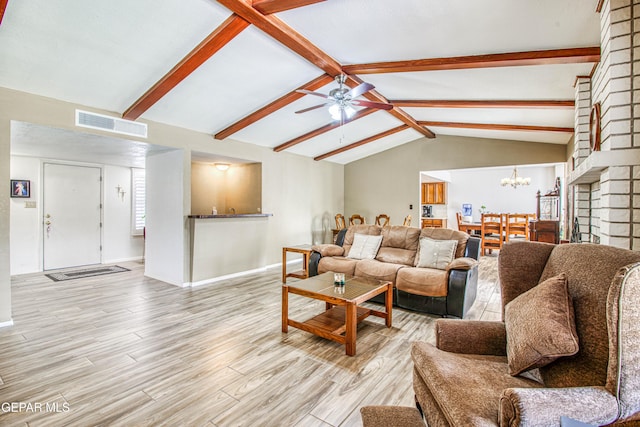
[72, 215]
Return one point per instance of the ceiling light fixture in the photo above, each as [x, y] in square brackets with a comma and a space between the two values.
[222, 166]
[515, 180]
[336, 110]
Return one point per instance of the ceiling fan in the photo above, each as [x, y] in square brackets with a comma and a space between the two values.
[341, 100]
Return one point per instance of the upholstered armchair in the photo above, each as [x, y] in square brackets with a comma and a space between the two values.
[568, 345]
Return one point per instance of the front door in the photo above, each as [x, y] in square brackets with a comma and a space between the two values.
[72, 215]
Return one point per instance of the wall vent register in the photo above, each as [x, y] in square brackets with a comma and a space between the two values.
[110, 124]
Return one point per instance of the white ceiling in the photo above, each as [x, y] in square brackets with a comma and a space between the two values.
[107, 54]
[46, 142]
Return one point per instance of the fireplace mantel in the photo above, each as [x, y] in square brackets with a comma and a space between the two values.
[590, 169]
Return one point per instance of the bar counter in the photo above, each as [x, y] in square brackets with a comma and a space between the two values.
[251, 215]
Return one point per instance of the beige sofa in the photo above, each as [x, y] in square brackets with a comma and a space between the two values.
[447, 291]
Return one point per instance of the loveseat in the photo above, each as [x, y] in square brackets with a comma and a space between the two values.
[442, 280]
[567, 345]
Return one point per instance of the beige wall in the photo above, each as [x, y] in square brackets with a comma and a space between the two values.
[299, 192]
[5, 281]
[239, 187]
[244, 188]
[389, 182]
[207, 189]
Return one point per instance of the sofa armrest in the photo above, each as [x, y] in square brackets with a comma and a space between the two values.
[461, 290]
[545, 406]
[463, 263]
[471, 337]
[328, 249]
[473, 248]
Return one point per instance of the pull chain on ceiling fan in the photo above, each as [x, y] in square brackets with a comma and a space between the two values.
[341, 100]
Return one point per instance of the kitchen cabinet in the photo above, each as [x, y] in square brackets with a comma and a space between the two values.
[434, 193]
[434, 222]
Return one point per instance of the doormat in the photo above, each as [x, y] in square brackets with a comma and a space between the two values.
[87, 272]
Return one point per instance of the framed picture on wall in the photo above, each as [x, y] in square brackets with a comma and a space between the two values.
[21, 188]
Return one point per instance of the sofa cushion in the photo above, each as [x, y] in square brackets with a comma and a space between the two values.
[371, 230]
[467, 387]
[396, 256]
[436, 253]
[448, 234]
[399, 245]
[540, 326]
[423, 281]
[377, 270]
[337, 264]
[364, 246]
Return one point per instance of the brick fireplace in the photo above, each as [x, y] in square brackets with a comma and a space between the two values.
[604, 185]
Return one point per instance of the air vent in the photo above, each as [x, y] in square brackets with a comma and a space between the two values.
[86, 119]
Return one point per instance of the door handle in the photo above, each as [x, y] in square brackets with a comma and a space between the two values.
[47, 216]
[47, 222]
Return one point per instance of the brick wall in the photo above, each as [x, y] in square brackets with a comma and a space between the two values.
[612, 211]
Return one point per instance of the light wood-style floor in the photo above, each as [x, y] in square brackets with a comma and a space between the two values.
[123, 349]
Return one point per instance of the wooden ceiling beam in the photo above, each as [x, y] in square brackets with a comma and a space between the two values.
[3, 8]
[284, 34]
[362, 142]
[569, 103]
[222, 35]
[326, 128]
[267, 7]
[399, 114]
[281, 102]
[488, 126]
[512, 59]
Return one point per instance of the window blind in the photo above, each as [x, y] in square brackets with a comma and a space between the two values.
[138, 200]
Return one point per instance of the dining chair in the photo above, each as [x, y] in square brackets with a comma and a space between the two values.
[492, 227]
[340, 222]
[383, 220]
[517, 225]
[459, 220]
[356, 219]
[407, 221]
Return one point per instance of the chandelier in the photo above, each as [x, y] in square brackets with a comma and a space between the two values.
[515, 180]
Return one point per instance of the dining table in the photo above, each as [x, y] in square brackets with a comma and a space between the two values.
[471, 227]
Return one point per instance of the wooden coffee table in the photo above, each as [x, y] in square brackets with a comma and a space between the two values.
[340, 320]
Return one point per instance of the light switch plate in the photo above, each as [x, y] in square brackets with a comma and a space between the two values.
[30, 205]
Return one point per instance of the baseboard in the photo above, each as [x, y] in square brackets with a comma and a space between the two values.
[5, 324]
[240, 274]
[228, 276]
[178, 285]
[279, 264]
[114, 261]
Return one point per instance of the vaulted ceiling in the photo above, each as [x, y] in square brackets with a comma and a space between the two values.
[485, 68]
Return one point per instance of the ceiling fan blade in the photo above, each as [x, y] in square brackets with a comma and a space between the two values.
[360, 89]
[311, 108]
[370, 104]
[308, 92]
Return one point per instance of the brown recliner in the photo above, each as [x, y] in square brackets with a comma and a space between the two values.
[464, 379]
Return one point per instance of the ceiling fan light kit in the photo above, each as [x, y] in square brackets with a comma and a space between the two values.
[342, 100]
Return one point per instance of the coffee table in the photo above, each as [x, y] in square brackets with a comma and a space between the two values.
[340, 319]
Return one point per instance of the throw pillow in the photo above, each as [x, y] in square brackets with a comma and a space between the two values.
[436, 253]
[364, 246]
[540, 326]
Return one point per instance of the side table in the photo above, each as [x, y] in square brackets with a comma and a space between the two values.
[305, 250]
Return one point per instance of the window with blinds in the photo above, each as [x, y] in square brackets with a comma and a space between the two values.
[138, 196]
